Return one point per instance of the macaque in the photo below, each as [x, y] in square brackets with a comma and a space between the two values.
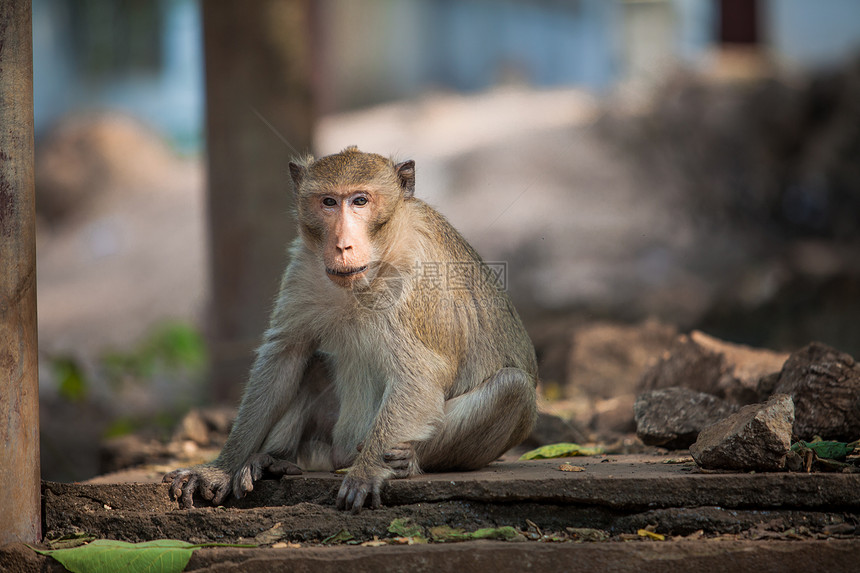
[391, 349]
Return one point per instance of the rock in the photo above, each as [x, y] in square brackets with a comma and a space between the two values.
[607, 360]
[673, 417]
[88, 155]
[207, 427]
[551, 429]
[825, 387]
[193, 427]
[128, 451]
[703, 363]
[614, 416]
[757, 437]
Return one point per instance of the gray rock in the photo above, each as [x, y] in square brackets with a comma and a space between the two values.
[825, 387]
[673, 417]
[550, 429]
[706, 364]
[757, 437]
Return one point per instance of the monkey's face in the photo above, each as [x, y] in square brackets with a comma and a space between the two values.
[344, 202]
[345, 220]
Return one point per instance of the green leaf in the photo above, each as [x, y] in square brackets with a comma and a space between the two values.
[443, 533]
[825, 450]
[341, 536]
[561, 450]
[106, 555]
[505, 533]
[404, 527]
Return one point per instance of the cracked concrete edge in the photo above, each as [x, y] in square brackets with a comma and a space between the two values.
[716, 556]
[618, 486]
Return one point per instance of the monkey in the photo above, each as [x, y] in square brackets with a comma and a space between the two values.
[375, 358]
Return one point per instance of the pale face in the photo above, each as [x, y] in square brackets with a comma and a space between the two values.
[347, 250]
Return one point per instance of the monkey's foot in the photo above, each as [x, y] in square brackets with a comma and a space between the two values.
[255, 466]
[211, 482]
[402, 460]
[356, 486]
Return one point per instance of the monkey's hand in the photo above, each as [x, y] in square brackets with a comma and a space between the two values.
[401, 459]
[358, 483]
[212, 482]
[254, 468]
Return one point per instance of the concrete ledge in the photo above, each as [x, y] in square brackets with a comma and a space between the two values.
[633, 482]
[833, 556]
[619, 495]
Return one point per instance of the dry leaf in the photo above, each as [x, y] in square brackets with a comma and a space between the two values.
[651, 535]
[571, 468]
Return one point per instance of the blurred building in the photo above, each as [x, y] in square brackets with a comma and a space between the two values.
[140, 56]
[145, 56]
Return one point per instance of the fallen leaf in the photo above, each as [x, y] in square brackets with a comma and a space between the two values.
[587, 534]
[341, 536]
[376, 542]
[685, 460]
[444, 533]
[271, 535]
[571, 468]
[71, 540]
[561, 450]
[651, 535]
[166, 555]
[404, 527]
[825, 449]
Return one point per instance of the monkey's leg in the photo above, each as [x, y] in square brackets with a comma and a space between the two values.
[275, 380]
[481, 425]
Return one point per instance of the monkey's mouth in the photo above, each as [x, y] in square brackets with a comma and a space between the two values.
[347, 272]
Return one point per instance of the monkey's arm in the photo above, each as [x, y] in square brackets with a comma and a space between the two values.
[271, 386]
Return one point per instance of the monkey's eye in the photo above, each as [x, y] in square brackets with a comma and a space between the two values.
[329, 202]
[359, 201]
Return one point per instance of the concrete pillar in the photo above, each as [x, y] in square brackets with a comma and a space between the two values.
[19, 379]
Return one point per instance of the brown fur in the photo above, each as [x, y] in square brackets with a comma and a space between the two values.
[392, 371]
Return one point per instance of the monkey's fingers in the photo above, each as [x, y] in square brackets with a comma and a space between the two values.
[180, 478]
[352, 494]
[376, 496]
[401, 460]
[187, 501]
[284, 468]
[355, 499]
[242, 482]
[222, 490]
[401, 451]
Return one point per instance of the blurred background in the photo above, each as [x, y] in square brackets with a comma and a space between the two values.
[644, 167]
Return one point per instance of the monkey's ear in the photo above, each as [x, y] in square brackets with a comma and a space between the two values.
[406, 177]
[297, 173]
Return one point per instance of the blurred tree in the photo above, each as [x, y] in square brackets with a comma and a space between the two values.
[259, 112]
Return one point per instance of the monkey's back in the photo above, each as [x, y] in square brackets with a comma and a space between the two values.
[460, 308]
